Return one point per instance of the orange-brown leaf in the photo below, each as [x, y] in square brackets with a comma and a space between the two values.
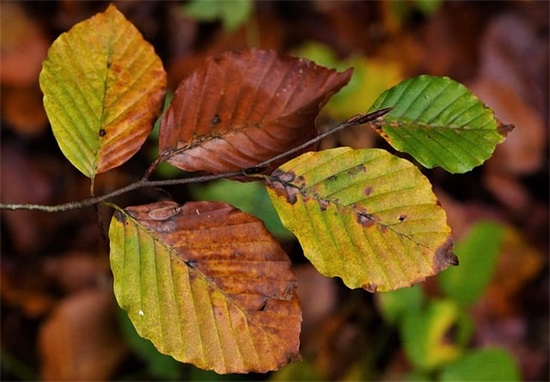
[103, 89]
[244, 107]
[207, 284]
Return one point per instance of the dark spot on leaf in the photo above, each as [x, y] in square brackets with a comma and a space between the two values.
[264, 304]
[280, 181]
[215, 120]
[109, 63]
[402, 218]
[102, 132]
[292, 193]
[287, 176]
[444, 255]
[284, 189]
[370, 287]
[504, 129]
[383, 228]
[306, 196]
[365, 219]
[191, 263]
[332, 178]
[356, 170]
[368, 190]
[119, 216]
[323, 204]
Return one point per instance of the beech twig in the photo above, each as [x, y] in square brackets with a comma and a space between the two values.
[357, 120]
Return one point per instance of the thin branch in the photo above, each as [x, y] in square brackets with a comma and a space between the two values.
[354, 121]
[357, 120]
[103, 198]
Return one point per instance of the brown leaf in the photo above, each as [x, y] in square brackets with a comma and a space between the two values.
[78, 342]
[244, 107]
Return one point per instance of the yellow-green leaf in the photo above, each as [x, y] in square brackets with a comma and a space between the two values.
[103, 88]
[424, 334]
[207, 284]
[363, 215]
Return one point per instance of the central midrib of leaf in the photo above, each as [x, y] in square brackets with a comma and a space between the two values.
[199, 141]
[306, 192]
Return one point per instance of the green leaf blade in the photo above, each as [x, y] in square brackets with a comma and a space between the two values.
[440, 123]
[490, 364]
[103, 87]
[363, 215]
[478, 252]
[423, 333]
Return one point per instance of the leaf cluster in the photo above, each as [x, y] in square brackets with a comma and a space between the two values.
[206, 282]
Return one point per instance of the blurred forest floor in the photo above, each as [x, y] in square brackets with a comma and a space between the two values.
[59, 319]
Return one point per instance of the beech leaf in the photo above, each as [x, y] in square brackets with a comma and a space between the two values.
[363, 215]
[440, 123]
[103, 88]
[244, 107]
[207, 284]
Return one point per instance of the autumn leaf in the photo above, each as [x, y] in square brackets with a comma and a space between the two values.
[103, 88]
[440, 123]
[207, 284]
[363, 215]
[244, 107]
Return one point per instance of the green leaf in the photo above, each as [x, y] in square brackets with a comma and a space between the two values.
[363, 215]
[424, 335]
[249, 197]
[207, 284]
[478, 253]
[103, 88]
[440, 123]
[232, 13]
[492, 364]
[428, 7]
[397, 304]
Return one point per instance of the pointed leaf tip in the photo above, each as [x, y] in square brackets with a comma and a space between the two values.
[103, 88]
[207, 284]
[363, 215]
[244, 107]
